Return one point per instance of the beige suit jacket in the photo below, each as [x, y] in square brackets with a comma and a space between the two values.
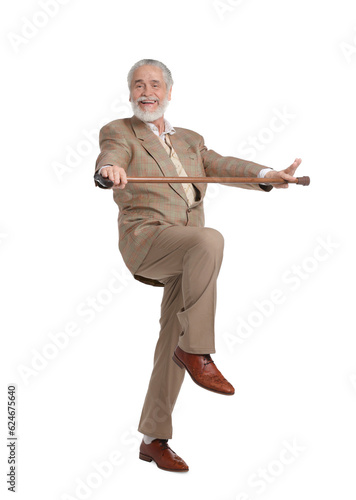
[147, 209]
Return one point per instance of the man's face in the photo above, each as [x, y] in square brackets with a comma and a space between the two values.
[149, 96]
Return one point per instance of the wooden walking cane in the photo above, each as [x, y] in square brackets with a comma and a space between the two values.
[106, 183]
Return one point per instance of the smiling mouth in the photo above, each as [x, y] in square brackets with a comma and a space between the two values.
[148, 103]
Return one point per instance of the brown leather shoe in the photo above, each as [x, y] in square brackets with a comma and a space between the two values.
[203, 371]
[163, 455]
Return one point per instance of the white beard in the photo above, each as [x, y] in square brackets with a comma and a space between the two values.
[150, 116]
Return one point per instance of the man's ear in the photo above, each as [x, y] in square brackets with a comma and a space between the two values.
[169, 96]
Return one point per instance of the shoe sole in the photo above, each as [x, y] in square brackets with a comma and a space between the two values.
[182, 365]
[147, 458]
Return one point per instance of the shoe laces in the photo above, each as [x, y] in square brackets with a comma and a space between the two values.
[208, 359]
[164, 444]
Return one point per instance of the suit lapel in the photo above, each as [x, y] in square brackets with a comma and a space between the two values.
[154, 148]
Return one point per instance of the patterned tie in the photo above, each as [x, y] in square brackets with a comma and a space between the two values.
[188, 188]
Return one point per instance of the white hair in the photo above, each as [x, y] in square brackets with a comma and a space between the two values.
[167, 75]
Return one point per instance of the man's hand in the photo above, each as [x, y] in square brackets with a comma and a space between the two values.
[287, 174]
[116, 174]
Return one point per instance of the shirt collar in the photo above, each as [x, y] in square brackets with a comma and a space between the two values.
[168, 129]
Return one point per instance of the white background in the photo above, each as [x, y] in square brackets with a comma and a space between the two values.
[234, 64]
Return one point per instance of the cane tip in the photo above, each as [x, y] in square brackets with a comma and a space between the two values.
[304, 181]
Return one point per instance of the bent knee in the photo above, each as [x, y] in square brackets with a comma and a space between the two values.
[212, 238]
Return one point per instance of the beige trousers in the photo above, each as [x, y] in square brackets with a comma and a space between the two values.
[188, 260]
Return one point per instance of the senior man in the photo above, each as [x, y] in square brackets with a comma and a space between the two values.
[163, 242]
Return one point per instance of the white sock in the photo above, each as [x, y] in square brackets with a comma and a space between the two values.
[148, 439]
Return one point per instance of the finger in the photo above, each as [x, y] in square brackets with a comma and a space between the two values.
[117, 177]
[109, 173]
[121, 185]
[120, 178]
[288, 177]
[117, 183]
[295, 165]
[281, 186]
[123, 176]
[104, 172]
[123, 179]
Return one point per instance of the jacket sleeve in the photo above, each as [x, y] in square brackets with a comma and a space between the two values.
[216, 165]
[114, 148]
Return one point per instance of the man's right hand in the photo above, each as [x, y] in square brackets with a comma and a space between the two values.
[116, 174]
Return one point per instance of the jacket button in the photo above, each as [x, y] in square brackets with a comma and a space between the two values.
[189, 210]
